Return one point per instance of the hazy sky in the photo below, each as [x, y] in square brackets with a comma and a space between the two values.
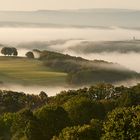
[67, 4]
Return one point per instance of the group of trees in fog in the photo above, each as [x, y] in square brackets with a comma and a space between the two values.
[99, 112]
[11, 51]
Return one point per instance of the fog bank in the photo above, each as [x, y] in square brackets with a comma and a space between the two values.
[17, 35]
[50, 90]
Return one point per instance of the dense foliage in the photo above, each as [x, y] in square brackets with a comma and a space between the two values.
[123, 124]
[13, 101]
[102, 111]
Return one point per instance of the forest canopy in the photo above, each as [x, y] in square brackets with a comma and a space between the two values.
[101, 111]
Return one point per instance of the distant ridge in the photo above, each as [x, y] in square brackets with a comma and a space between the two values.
[91, 9]
[77, 17]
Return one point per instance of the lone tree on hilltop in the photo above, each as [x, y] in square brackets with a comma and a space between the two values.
[30, 55]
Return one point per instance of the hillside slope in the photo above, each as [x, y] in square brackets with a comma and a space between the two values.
[81, 71]
[28, 72]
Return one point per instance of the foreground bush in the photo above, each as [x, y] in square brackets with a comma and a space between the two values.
[123, 124]
[85, 132]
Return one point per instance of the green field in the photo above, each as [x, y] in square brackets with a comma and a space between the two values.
[29, 72]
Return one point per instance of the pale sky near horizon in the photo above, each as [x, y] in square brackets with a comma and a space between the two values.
[67, 4]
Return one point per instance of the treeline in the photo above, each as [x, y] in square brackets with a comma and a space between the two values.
[101, 111]
[12, 51]
[84, 72]
[14, 101]
[9, 51]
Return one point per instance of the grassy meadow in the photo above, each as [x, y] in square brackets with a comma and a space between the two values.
[28, 71]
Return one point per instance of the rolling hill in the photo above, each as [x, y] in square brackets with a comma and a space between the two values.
[84, 72]
[53, 68]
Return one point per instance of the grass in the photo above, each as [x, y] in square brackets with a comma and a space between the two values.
[28, 71]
